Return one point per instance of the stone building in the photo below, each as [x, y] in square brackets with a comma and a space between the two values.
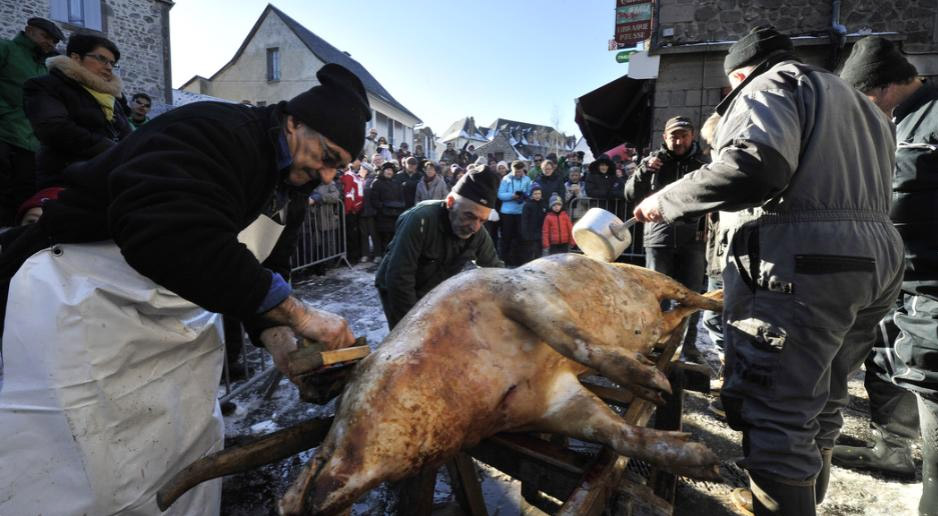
[279, 59]
[139, 28]
[464, 132]
[501, 149]
[690, 39]
[524, 139]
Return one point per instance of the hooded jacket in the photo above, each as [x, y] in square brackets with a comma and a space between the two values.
[599, 185]
[20, 60]
[645, 181]
[67, 120]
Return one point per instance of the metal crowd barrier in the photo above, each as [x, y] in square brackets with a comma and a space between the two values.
[322, 237]
[578, 206]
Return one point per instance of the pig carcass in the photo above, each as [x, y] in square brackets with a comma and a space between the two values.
[495, 350]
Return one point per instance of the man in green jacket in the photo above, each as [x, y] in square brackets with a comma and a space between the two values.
[21, 58]
[434, 240]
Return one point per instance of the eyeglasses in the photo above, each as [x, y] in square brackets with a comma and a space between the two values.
[329, 157]
[142, 103]
[105, 61]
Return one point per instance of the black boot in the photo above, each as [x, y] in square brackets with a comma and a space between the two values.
[890, 453]
[778, 497]
[824, 477]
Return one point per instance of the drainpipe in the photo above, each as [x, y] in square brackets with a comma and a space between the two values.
[838, 36]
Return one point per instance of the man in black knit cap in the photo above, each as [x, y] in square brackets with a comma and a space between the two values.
[111, 349]
[434, 240]
[804, 164]
[902, 370]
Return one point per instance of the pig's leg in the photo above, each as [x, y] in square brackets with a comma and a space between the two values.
[547, 319]
[574, 411]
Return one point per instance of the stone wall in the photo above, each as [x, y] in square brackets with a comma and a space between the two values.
[139, 28]
[716, 20]
[692, 85]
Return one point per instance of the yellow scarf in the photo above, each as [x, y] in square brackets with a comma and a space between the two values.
[106, 100]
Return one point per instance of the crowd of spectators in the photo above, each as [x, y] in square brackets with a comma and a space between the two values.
[56, 110]
[538, 199]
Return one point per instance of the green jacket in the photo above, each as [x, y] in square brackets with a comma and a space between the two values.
[20, 59]
[423, 254]
[135, 125]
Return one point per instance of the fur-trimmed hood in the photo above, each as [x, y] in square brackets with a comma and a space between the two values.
[85, 77]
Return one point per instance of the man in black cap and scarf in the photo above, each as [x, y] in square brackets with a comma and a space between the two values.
[902, 370]
[805, 162]
[111, 348]
[434, 240]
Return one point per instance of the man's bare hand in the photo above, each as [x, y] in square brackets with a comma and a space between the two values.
[648, 211]
[653, 164]
[280, 341]
[328, 328]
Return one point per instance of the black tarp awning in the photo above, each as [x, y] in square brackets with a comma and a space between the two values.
[616, 113]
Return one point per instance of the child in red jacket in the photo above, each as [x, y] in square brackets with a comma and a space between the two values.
[557, 232]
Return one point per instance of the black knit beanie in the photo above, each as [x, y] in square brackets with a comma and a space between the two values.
[337, 108]
[756, 46]
[876, 62]
[480, 185]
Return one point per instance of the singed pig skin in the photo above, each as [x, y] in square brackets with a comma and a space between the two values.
[495, 350]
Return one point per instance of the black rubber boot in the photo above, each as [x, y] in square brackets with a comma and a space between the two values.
[890, 453]
[779, 497]
[824, 477]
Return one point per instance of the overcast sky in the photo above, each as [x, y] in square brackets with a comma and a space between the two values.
[442, 59]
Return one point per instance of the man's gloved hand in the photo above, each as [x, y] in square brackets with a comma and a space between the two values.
[328, 328]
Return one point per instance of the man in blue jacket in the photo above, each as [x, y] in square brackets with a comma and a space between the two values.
[512, 191]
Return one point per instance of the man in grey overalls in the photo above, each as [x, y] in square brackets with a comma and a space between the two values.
[806, 164]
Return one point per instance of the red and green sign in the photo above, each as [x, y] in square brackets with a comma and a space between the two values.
[633, 21]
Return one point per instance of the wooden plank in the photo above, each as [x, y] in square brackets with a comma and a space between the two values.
[465, 484]
[696, 376]
[598, 483]
[542, 451]
[644, 496]
[668, 417]
[547, 476]
[415, 493]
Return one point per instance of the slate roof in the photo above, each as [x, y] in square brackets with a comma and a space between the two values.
[325, 53]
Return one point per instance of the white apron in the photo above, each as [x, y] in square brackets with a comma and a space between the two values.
[109, 386]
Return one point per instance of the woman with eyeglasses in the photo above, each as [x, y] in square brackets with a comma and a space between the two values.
[74, 110]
